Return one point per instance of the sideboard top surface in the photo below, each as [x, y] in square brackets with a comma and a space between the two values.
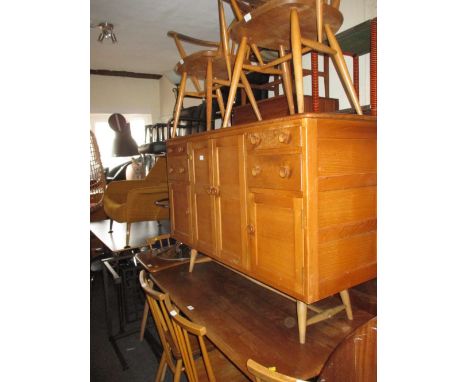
[286, 120]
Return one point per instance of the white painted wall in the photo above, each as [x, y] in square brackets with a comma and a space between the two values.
[124, 95]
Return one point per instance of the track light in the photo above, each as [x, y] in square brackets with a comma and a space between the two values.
[107, 31]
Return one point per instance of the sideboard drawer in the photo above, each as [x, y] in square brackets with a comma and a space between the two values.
[281, 172]
[179, 149]
[283, 137]
[177, 168]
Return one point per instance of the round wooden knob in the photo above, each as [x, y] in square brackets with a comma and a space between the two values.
[256, 170]
[250, 229]
[284, 137]
[208, 190]
[187, 211]
[181, 170]
[170, 170]
[215, 191]
[255, 139]
[285, 172]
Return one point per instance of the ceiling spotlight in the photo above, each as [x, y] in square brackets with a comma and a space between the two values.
[107, 31]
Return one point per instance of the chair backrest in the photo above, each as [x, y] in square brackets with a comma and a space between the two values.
[160, 241]
[264, 374]
[157, 303]
[158, 173]
[183, 328]
[96, 175]
[355, 358]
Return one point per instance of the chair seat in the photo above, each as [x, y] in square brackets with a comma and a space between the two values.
[223, 369]
[269, 24]
[195, 64]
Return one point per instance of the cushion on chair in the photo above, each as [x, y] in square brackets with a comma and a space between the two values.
[134, 200]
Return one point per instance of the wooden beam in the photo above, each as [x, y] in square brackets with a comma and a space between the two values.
[119, 73]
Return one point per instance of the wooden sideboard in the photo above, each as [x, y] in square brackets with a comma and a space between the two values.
[290, 202]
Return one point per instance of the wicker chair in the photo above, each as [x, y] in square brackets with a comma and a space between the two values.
[96, 175]
[135, 200]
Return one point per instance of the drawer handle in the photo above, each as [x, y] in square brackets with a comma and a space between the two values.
[171, 170]
[187, 212]
[180, 149]
[256, 170]
[285, 172]
[181, 170]
[250, 229]
[209, 190]
[284, 137]
[214, 191]
[254, 139]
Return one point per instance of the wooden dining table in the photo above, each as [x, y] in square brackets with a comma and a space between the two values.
[247, 320]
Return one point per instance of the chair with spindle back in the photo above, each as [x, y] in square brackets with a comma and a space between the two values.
[353, 360]
[268, 374]
[212, 66]
[288, 25]
[171, 355]
[210, 366]
[157, 243]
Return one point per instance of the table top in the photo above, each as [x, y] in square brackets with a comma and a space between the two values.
[139, 232]
[245, 320]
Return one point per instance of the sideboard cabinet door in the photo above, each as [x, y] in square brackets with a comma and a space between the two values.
[230, 204]
[203, 198]
[277, 240]
[181, 224]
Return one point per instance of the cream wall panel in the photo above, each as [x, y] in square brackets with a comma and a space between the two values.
[124, 95]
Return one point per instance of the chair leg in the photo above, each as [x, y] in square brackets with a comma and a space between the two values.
[178, 371]
[235, 79]
[287, 84]
[110, 225]
[178, 107]
[297, 59]
[143, 321]
[250, 95]
[127, 236]
[161, 373]
[219, 97]
[342, 70]
[209, 92]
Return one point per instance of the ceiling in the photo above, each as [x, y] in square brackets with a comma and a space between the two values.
[141, 27]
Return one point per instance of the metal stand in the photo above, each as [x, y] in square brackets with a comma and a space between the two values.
[115, 266]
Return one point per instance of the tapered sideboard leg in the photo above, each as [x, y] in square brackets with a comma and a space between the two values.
[193, 257]
[302, 320]
[344, 294]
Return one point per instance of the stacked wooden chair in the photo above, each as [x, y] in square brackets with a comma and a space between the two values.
[183, 352]
[211, 66]
[211, 366]
[297, 26]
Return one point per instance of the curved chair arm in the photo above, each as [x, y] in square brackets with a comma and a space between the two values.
[192, 40]
[124, 186]
[156, 193]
